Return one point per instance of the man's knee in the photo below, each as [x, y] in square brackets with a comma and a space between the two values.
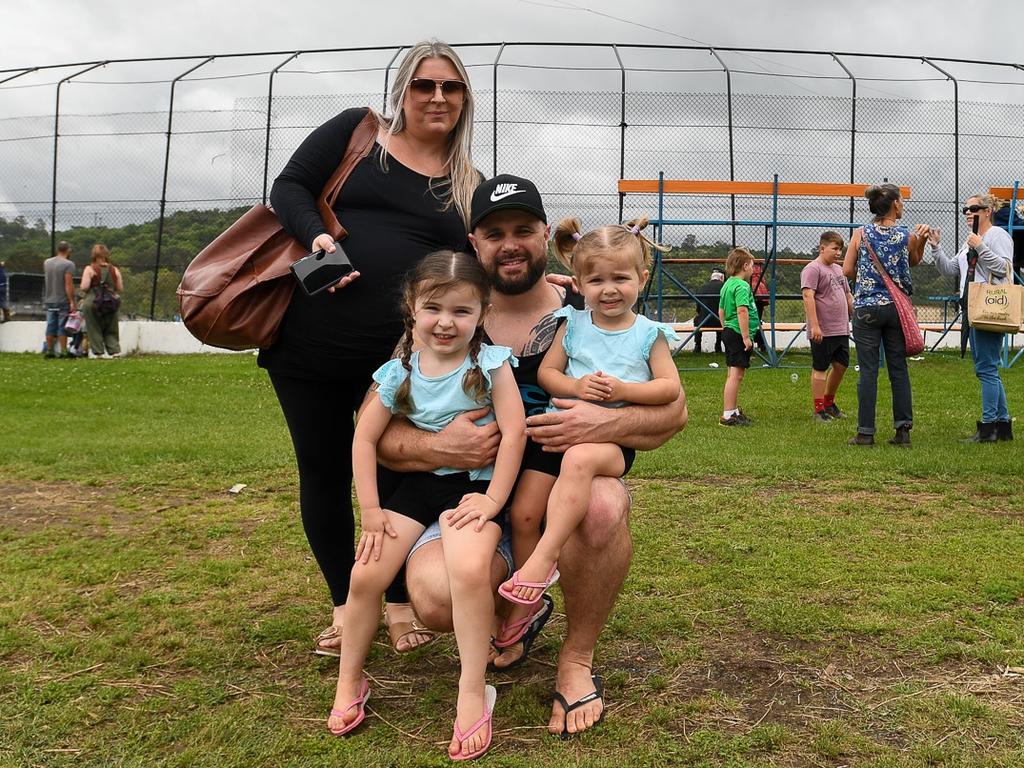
[426, 580]
[607, 516]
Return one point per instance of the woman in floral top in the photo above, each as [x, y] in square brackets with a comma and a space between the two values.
[875, 321]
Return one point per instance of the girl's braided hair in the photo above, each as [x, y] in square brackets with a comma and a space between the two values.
[437, 273]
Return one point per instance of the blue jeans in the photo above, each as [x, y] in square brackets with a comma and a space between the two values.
[56, 316]
[986, 347]
[873, 327]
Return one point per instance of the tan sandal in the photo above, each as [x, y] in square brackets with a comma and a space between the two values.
[330, 633]
[401, 630]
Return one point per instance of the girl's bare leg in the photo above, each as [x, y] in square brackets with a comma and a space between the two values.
[467, 556]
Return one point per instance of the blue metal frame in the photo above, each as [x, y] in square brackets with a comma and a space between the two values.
[773, 358]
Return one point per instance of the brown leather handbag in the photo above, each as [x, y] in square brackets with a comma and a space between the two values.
[235, 292]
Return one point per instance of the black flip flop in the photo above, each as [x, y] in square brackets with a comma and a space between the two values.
[529, 636]
[567, 707]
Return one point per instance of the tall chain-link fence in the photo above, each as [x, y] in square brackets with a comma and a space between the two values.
[155, 157]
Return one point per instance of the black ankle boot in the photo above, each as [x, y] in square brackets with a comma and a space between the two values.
[973, 438]
[1004, 430]
[902, 437]
[986, 434]
[861, 439]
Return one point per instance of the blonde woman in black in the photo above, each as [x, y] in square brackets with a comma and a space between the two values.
[408, 197]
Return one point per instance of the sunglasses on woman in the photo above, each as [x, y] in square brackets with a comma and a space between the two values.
[974, 208]
[425, 87]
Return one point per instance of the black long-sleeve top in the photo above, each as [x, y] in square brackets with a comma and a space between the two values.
[393, 220]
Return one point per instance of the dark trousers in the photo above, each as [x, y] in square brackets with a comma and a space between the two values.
[320, 419]
[697, 336]
[873, 328]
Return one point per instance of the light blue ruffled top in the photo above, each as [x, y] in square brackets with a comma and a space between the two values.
[439, 399]
[623, 354]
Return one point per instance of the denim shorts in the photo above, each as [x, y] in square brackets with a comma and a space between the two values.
[56, 316]
[504, 548]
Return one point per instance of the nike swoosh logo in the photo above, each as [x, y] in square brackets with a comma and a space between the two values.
[495, 196]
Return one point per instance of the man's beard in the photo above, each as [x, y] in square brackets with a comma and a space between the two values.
[513, 287]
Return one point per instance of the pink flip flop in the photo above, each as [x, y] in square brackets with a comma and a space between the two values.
[543, 585]
[490, 696]
[359, 702]
[520, 627]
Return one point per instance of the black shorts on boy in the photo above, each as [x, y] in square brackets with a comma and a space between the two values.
[831, 349]
[736, 355]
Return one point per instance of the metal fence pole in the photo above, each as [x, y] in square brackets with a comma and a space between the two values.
[387, 77]
[270, 104]
[853, 124]
[494, 127]
[56, 141]
[622, 128]
[956, 143]
[23, 72]
[732, 156]
[163, 188]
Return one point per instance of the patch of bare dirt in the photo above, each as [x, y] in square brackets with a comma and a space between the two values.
[29, 507]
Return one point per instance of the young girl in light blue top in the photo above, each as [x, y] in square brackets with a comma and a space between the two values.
[452, 372]
[607, 354]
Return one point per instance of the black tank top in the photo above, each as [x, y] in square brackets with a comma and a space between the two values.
[535, 399]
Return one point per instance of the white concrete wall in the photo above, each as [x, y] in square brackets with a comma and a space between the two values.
[136, 336]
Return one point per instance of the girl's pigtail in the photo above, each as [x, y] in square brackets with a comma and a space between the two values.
[567, 234]
[636, 227]
[403, 395]
[474, 383]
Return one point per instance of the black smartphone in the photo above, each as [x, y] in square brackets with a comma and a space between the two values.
[974, 224]
[320, 270]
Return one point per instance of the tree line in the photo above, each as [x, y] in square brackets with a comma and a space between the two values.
[24, 246]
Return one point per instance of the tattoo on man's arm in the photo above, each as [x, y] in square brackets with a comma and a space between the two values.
[541, 336]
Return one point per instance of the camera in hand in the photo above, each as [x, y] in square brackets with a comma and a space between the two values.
[320, 270]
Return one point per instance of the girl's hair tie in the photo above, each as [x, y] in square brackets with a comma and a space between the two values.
[577, 236]
[635, 229]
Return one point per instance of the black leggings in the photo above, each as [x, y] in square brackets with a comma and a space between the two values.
[320, 419]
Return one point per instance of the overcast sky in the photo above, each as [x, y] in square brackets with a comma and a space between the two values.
[122, 161]
[64, 31]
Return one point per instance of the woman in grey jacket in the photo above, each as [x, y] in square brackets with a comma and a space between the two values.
[994, 249]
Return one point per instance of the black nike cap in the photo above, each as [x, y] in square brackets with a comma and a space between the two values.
[505, 192]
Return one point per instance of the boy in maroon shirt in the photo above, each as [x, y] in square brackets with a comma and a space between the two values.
[829, 304]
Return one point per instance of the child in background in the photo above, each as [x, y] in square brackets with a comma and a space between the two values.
[740, 322]
[605, 354]
[829, 305]
[453, 372]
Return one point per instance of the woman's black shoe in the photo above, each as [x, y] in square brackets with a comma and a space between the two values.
[901, 438]
[1004, 430]
[986, 434]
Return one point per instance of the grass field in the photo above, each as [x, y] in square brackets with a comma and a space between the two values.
[793, 601]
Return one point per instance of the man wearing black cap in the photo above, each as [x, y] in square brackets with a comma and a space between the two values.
[510, 233]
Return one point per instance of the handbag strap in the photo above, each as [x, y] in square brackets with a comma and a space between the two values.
[890, 284]
[359, 146]
[1009, 273]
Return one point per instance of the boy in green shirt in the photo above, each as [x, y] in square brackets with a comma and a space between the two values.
[740, 322]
